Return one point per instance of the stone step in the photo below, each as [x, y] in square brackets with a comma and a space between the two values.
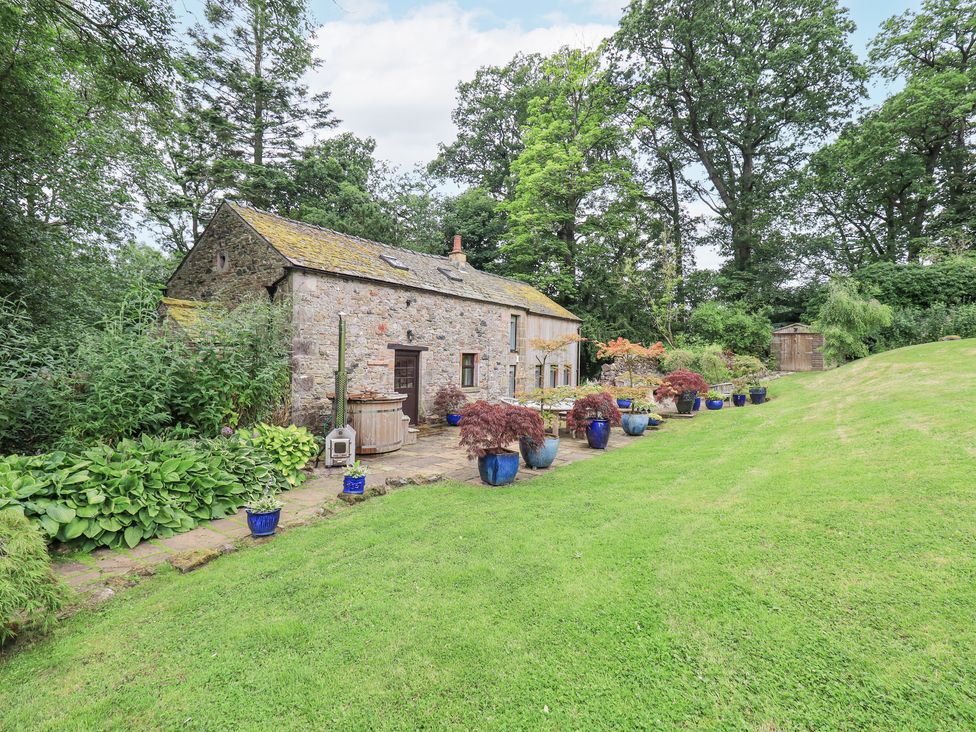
[411, 436]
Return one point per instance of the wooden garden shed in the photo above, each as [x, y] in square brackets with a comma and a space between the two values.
[798, 347]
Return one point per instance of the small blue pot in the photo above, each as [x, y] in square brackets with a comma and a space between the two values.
[757, 396]
[353, 485]
[738, 400]
[539, 457]
[654, 422]
[263, 524]
[454, 419]
[624, 403]
[697, 405]
[598, 434]
[634, 424]
[714, 404]
[499, 469]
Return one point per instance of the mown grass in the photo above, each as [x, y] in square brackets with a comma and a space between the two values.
[807, 564]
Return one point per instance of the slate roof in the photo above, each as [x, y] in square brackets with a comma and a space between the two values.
[317, 248]
[186, 313]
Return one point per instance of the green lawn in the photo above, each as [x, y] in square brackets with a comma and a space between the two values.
[807, 564]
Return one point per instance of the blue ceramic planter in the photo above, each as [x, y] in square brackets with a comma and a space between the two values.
[541, 456]
[738, 400]
[714, 404]
[654, 422]
[598, 434]
[499, 469]
[697, 405]
[757, 396]
[454, 419]
[634, 424]
[263, 524]
[353, 485]
[624, 403]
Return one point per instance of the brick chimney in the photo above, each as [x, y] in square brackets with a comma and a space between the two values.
[457, 257]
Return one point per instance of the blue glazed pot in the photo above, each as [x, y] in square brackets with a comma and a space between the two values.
[498, 469]
[624, 403]
[263, 524]
[541, 456]
[654, 422]
[738, 400]
[697, 405]
[685, 402]
[757, 396]
[634, 424]
[598, 434]
[714, 404]
[454, 419]
[353, 485]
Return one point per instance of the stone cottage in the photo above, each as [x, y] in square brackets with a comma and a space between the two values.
[415, 322]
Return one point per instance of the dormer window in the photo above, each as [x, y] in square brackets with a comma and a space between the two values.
[393, 262]
[451, 274]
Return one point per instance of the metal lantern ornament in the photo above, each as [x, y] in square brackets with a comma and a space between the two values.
[340, 443]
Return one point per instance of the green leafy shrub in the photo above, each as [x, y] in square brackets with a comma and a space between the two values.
[849, 321]
[138, 489]
[712, 364]
[30, 593]
[679, 358]
[950, 281]
[743, 366]
[289, 448]
[732, 327]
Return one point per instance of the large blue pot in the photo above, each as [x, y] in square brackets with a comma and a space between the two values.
[263, 524]
[634, 424]
[757, 395]
[685, 402]
[353, 485]
[697, 405]
[499, 469]
[454, 419]
[714, 404]
[598, 434]
[624, 403]
[539, 456]
[738, 400]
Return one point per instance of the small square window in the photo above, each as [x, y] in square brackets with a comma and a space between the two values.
[469, 369]
[451, 274]
[393, 261]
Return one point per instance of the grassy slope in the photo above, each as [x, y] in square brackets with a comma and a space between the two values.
[805, 564]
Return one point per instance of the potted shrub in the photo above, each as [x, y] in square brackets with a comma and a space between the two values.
[631, 356]
[354, 478]
[738, 392]
[683, 386]
[715, 400]
[487, 429]
[541, 455]
[654, 420]
[263, 515]
[448, 404]
[757, 392]
[594, 415]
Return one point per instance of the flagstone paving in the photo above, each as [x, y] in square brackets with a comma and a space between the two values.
[435, 454]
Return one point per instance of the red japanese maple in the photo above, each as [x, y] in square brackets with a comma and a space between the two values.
[449, 400]
[590, 407]
[680, 381]
[486, 429]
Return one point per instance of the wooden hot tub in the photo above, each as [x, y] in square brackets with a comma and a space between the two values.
[379, 422]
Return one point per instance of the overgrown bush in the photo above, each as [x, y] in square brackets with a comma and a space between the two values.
[679, 358]
[711, 361]
[732, 327]
[951, 281]
[30, 593]
[288, 448]
[910, 326]
[849, 321]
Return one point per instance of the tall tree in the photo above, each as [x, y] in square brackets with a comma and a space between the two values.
[477, 217]
[251, 58]
[745, 87]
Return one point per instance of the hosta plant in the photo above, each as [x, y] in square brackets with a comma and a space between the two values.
[289, 448]
[267, 503]
[356, 470]
[591, 407]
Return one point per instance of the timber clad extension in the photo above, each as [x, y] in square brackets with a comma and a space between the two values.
[415, 321]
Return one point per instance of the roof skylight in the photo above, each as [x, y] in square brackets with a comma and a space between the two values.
[450, 274]
[393, 261]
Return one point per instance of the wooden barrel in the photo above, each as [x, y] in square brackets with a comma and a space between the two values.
[378, 421]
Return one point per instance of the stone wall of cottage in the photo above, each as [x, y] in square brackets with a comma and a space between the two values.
[229, 263]
[378, 315]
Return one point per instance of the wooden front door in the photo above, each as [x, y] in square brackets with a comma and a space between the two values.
[406, 380]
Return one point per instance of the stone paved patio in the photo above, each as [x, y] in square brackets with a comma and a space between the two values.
[436, 453]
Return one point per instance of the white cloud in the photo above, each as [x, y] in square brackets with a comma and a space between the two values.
[393, 79]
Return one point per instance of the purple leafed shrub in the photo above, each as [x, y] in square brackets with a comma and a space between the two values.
[487, 429]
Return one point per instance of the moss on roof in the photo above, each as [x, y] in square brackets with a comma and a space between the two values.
[322, 249]
[185, 313]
